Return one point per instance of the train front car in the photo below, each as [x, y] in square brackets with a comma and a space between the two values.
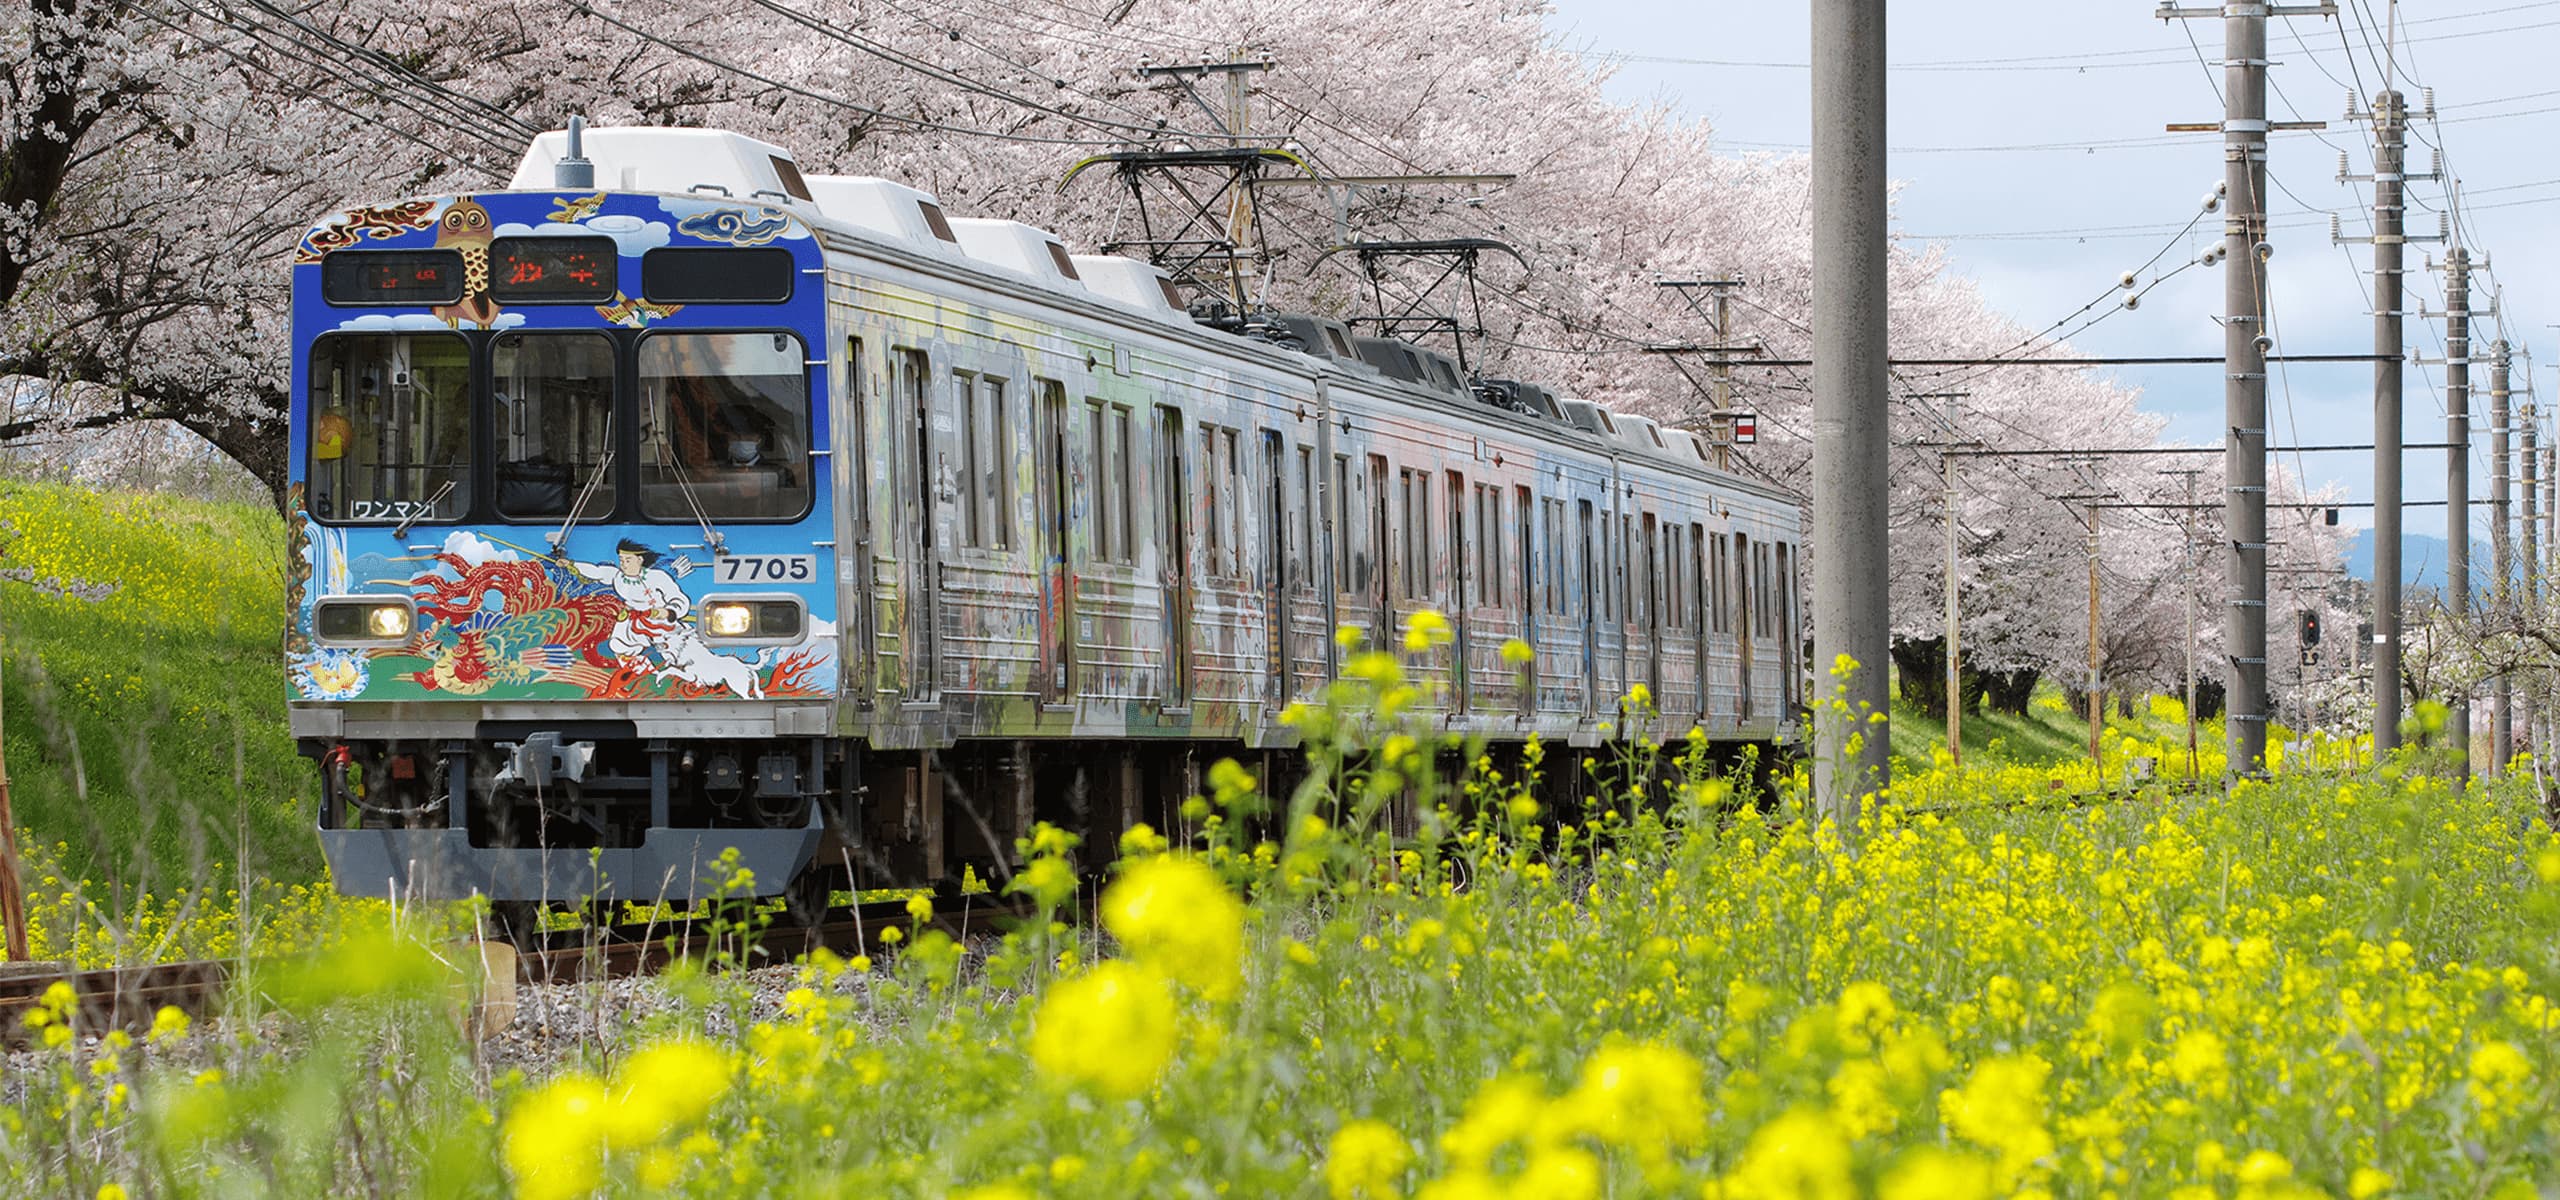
[563, 603]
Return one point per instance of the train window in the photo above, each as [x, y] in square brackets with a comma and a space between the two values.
[1455, 492]
[1231, 480]
[553, 270]
[964, 405]
[1345, 533]
[1521, 515]
[1303, 562]
[724, 426]
[1589, 543]
[995, 459]
[1666, 559]
[1124, 482]
[1374, 583]
[405, 277]
[551, 405]
[390, 427]
[729, 275]
[1213, 503]
[1096, 479]
[1488, 548]
[1413, 512]
[1555, 557]
[1716, 587]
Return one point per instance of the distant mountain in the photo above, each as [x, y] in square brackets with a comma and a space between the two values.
[2421, 559]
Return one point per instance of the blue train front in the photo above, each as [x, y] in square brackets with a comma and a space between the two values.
[563, 575]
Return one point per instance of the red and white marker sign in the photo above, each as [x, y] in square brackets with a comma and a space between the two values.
[1746, 428]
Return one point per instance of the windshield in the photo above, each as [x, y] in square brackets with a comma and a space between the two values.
[552, 401]
[724, 425]
[390, 427]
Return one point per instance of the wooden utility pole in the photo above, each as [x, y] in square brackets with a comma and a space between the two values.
[13, 896]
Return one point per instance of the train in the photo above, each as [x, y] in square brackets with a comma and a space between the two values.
[672, 523]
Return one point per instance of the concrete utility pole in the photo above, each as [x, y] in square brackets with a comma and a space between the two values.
[2390, 117]
[2244, 355]
[2529, 712]
[2501, 556]
[2457, 474]
[1851, 416]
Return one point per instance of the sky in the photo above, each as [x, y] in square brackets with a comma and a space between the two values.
[2027, 139]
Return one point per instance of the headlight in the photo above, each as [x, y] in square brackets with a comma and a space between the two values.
[364, 620]
[777, 620]
[729, 620]
[388, 621]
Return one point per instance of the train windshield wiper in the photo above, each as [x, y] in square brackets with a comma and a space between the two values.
[587, 491]
[684, 485]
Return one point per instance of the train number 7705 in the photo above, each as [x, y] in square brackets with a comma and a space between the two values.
[766, 568]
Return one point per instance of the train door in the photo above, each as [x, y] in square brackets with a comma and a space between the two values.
[1650, 595]
[1522, 504]
[1703, 601]
[1057, 579]
[1742, 613]
[853, 558]
[1589, 579]
[1462, 582]
[1173, 557]
[1783, 628]
[918, 555]
[1381, 599]
[1275, 569]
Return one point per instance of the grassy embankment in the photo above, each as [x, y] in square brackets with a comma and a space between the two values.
[146, 739]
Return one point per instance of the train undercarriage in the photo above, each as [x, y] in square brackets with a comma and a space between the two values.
[569, 814]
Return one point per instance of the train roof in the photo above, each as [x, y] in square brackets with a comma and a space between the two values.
[681, 162]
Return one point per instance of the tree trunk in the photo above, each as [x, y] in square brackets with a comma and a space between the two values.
[2009, 691]
[1922, 664]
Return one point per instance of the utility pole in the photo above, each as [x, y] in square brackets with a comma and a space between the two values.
[2187, 601]
[1719, 386]
[2244, 352]
[1852, 420]
[2390, 117]
[13, 899]
[2501, 556]
[2530, 712]
[2097, 690]
[2457, 475]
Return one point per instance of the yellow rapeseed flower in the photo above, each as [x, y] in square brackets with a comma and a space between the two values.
[1175, 915]
[663, 1088]
[1929, 1173]
[1798, 1156]
[1645, 1096]
[1111, 1028]
[553, 1140]
[1365, 1159]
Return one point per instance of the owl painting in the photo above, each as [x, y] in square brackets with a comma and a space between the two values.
[466, 227]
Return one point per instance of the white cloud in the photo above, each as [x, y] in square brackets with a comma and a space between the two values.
[474, 549]
[402, 322]
[631, 235]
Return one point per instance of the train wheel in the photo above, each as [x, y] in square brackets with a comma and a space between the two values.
[517, 921]
[805, 902]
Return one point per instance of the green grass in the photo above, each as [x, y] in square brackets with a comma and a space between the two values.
[145, 731]
[2048, 735]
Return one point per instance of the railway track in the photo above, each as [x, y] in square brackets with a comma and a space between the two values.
[128, 998]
